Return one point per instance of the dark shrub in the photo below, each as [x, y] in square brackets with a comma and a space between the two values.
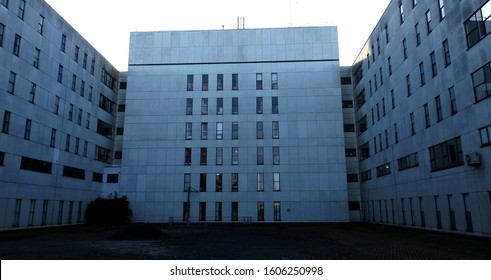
[109, 210]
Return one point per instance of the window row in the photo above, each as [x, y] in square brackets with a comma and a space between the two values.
[234, 82]
[205, 179]
[205, 108]
[33, 217]
[234, 130]
[203, 156]
[234, 212]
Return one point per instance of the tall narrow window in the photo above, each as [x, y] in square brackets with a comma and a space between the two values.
[439, 114]
[404, 48]
[79, 117]
[418, 34]
[204, 131]
[260, 156]
[84, 63]
[408, 85]
[63, 43]
[235, 182]
[219, 156]
[259, 81]
[204, 82]
[218, 182]
[235, 156]
[82, 88]
[86, 144]
[16, 49]
[219, 81]
[189, 106]
[274, 81]
[446, 51]
[259, 130]
[453, 100]
[427, 115]
[45, 212]
[235, 130]
[57, 105]
[276, 130]
[203, 156]
[37, 55]
[392, 98]
[428, 21]
[396, 134]
[218, 211]
[434, 70]
[235, 211]
[413, 125]
[11, 85]
[53, 138]
[70, 113]
[401, 13]
[235, 81]
[276, 181]
[274, 104]
[74, 82]
[204, 106]
[441, 5]
[18, 203]
[2, 33]
[187, 156]
[79, 212]
[32, 209]
[276, 155]
[260, 182]
[389, 62]
[259, 105]
[87, 121]
[220, 106]
[422, 74]
[190, 83]
[277, 211]
[219, 131]
[235, 105]
[202, 182]
[27, 130]
[22, 9]
[6, 122]
[76, 54]
[260, 211]
[60, 211]
[60, 74]
[67, 143]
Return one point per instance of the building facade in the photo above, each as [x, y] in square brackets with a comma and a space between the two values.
[422, 109]
[57, 96]
[235, 125]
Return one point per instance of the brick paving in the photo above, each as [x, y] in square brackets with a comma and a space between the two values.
[241, 241]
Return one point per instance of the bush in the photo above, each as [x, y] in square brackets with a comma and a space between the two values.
[109, 210]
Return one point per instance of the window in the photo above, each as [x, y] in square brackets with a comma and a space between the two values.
[204, 131]
[235, 130]
[439, 115]
[91, 93]
[235, 81]
[276, 129]
[70, 113]
[87, 121]
[2, 158]
[453, 100]
[190, 83]
[259, 81]
[203, 160]
[204, 106]
[429, 28]
[446, 155]
[37, 55]
[277, 210]
[2, 33]
[274, 104]
[260, 211]
[389, 62]
[434, 70]
[189, 131]
[259, 105]
[102, 154]
[92, 67]
[347, 104]
[350, 152]
[202, 182]
[362, 124]
[446, 51]
[386, 29]
[204, 82]
[32, 209]
[22, 9]
[73, 172]
[350, 178]
[364, 151]
[415, 2]
[387, 138]
[189, 106]
[235, 155]
[16, 49]
[360, 98]
[259, 130]
[383, 170]
[276, 155]
[27, 129]
[481, 80]
[86, 144]
[392, 98]
[219, 156]
[384, 111]
[260, 155]
[57, 105]
[220, 106]
[260, 182]
[79, 119]
[396, 134]
[427, 115]
[219, 131]
[60, 74]
[235, 211]
[6, 122]
[67, 143]
[381, 76]
[477, 27]
[274, 81]
[485, 134]
[187, 156]
[35, 165]
[18, 203]
[118, 155]
[404, 48]
[235, 182]
[11, 85]
[418, 34]
[84, 62]
[218, 211]
[349, 127]
[407, 162]
[74, 82]
[422, 74]
[219, 81]
[235, 105]
[366, 175]
[401, 13]
[441, 5]
[53, 138]
[345, 80]
[76, 54]
[413, 124]
[408, 85]
[63, 43]
[218, 182]
[276, 181]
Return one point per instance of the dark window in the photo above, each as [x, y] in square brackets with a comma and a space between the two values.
[204, 106]
[434, 70]
[446, 52]
[235, 81]
[274, 104]
[97, 177]
[16, 49]
[189, 106]
[260, 156]
[418, 34]
[235, 105]
[104, 129]
[477, 26]
[122, 85]
[407, 162]
[220, 106]
[2, 33]
[485, 134]
[364, 151]
[353, 205]
[63, 43]
[76, 54]
[204, 82]
[429, 28]
[202, 182]
[27, 130]
[187, 156]
[37, 55]
[103, 154]
[347, 104]
[203, 156]
[259, 81]
[235, 182]
[259, 105]
[453, 100]
[481, 80]
[73, 172]
[259, 130]
[122, 108]
[366, 175]
[60, 74]
[6, 122]
[383, 170]
[118, 155]
[439, 114]
[11, 85]
[218, 182]
[219, 81]
[349, 128]
[276, 129]
[190, 83]
[189, 131]
[112, 178]
[120, 131]
[351, 178]
[350, 152]
[35, 165]
[346, 80]
[2, 158]
[235, 130]
[404, 48]
[106, 104]
[204, 131]
[446, 155]
[422, 74]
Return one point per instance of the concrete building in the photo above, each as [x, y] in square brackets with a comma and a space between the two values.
[57, 112]
[234, 125]
[422, 85]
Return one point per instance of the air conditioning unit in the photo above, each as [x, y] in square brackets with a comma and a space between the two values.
[473, 159]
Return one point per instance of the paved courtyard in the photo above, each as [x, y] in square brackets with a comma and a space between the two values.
[239, 241]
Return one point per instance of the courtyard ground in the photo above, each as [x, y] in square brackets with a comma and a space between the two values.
[354, 241]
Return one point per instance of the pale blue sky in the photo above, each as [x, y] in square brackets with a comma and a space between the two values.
[106, 24]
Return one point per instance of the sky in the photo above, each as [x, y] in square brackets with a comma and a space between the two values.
[107, 24]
